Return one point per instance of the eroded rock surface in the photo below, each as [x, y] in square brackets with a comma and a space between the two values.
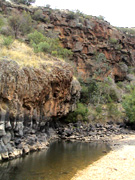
[99, 49]
[29, 99]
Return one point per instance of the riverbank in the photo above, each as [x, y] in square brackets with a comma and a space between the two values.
[34, 140]
[119, 164]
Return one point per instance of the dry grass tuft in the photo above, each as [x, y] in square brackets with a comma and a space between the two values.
[24, 55]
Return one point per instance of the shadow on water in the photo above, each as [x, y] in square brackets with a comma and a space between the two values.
[60, 162]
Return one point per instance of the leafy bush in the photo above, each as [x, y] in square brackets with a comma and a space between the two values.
[64, 53]
[41, 43]
[85, 94]
[26, 23]
[120, 84]
[4, 27]
[36, 37]
[75, 14]
[15, 23]
[80, 114]
[98, 92]
[20, 23]
[129, 106]
[38, 14]
[1, 21]
[7, 41]
[99, 109]
[54, 53]
[87, 91]
[6, 31]
[101, 57]
[131, 70]
[113, 110]
[44, 47]
[71, 15]
[113, 40]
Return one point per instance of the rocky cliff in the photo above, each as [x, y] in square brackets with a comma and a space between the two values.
[29, 98]
[99, 49]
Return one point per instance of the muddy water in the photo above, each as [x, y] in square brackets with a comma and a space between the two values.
[60, 162]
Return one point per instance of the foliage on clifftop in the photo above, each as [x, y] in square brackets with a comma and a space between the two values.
[21, 26]
[23, 54]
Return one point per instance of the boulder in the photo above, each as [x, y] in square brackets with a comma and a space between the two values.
[78, 47]
[6, 138]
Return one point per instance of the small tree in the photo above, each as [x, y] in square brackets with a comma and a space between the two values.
[15, 23]
[129, 106]
[26, 2]
[26, 23]
[80, 114]
[38, 14]
[20, 23]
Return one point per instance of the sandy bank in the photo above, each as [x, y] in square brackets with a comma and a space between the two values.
[119, 164]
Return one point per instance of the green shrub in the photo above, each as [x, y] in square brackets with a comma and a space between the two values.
[1, 21]
[36, 38]
[99, 109]
[38, 14]
[26, 23]
[20, 23]
[6, 31]
[113, 40]
[15, 23]
[7, 41]
[41, 43]
[71, 15]
[85, 94]
[88, 91]
[95, 92]
[54, 53]
[113, 110]
[64, 53]
[44, 47]
[101, 57]
[120, 84]
[129, 106]
[80, 114]
[131, 70]
[129, 88]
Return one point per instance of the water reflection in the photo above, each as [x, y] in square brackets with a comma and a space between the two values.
[60, 162]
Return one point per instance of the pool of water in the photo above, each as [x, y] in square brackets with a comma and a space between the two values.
[59, 162]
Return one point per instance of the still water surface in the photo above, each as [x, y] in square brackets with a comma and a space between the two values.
[60, 162]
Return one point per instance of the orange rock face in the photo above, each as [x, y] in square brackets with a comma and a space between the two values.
[87, 37]
[36, 94]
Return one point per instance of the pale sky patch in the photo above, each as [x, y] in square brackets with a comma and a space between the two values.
[118, 12]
